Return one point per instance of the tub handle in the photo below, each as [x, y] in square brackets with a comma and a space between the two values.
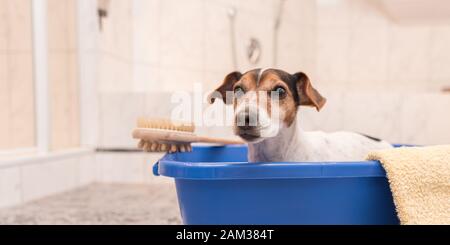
[155, 169]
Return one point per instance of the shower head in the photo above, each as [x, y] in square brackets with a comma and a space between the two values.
[279, 13]
[276, 27]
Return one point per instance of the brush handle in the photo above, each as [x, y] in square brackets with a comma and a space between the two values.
[221, 141]
[172, 136]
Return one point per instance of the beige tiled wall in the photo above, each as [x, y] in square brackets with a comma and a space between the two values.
[16, 75]
[361, 48]
[167, 45]
[381, 77]
[408, 118]
[115, 48]
[63, 74]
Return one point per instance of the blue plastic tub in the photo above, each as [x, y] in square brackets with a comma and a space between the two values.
[215, 185]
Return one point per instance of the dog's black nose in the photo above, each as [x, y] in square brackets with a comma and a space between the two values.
[247, 119]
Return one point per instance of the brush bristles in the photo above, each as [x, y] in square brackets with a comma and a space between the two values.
[165, 124]
[152, 146]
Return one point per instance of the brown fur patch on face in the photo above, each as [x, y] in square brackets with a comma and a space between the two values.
[290, 110]
[248, 80]
[272, 79]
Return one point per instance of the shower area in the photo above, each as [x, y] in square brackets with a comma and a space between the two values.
[76, 74]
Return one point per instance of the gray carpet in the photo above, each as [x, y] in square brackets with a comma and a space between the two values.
[101, 204]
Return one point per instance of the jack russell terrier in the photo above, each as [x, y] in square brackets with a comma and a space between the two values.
[265, 104]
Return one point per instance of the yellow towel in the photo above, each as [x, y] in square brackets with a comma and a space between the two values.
[419, 178]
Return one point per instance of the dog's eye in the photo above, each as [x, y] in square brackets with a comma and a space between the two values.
[239, 91]
[280, 91]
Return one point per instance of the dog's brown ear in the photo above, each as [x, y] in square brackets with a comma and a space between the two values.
[227, 86]
[308, 96]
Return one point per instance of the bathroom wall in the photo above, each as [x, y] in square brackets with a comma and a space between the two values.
[360, 48]
[381, 76]
[408, 118]
[115, 50]
[169, 45]
[16, 75]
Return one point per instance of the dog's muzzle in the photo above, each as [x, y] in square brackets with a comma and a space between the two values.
[247, 125]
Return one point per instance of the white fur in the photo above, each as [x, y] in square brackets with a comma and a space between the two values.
[268, 126]
[292, 144]
[260, 75]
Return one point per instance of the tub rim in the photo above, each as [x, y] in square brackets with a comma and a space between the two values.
[169, 167]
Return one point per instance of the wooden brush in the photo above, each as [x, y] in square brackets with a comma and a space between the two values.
[160, 135]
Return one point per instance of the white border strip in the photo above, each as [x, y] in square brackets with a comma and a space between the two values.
[44, 157]
[40, 64]
[19, 151]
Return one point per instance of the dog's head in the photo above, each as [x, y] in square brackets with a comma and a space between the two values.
[266, 100]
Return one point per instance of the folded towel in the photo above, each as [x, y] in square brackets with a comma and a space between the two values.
[419, 178]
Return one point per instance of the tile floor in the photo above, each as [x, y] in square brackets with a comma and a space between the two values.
[130, 204]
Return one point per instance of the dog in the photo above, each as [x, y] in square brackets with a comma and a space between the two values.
[278, 137]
